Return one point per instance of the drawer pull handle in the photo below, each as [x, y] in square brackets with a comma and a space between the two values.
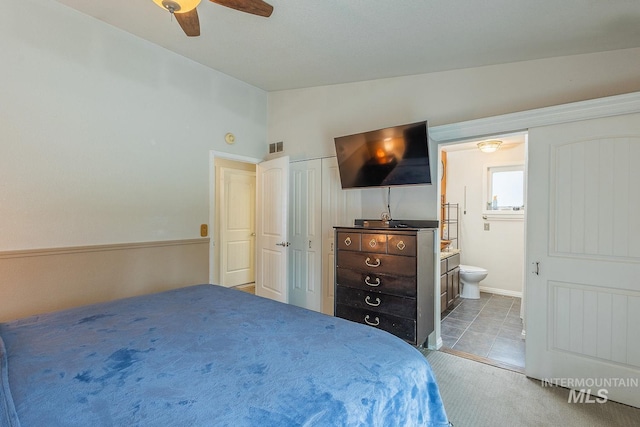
[373, 243]
[368, 301]
[366, 280]
[347, 241]
[368, 262]
[401, 245]
[376, 323]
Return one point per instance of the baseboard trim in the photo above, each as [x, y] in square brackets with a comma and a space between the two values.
[439, 344]
[499, 291]
[99, 248]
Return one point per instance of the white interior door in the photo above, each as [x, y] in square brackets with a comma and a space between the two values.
[583, 255]
[237, 227]
[272, 182]
[339, 208]
[305, 253]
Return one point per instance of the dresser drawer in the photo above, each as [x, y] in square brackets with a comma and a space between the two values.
[398, 326]
[398, 244]
[374, 242]
[377, 302]
[377, 263]
[348, 241]
[382, 283]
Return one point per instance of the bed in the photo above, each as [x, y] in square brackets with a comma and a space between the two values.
[206, 355]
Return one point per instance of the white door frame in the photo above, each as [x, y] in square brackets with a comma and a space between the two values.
[522, 121]
[212, 200]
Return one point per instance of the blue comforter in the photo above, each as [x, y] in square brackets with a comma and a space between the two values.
[209, 356]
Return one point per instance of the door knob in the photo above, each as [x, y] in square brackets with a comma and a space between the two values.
[283, 244]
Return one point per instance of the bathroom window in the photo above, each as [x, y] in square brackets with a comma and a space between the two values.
[504, 189]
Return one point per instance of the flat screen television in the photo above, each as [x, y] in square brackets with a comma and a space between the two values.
[387, 157]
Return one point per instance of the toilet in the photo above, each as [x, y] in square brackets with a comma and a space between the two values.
[470, 277]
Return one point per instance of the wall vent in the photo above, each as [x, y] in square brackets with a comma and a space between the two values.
[276, 147]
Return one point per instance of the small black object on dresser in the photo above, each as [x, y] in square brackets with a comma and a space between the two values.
[385, 278]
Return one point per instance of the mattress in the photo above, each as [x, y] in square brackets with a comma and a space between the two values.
[208, 355]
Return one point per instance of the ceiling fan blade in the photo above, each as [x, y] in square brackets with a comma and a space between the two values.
[254, 7]
[189, 22]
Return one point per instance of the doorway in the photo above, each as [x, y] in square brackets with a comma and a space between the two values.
[232, 217]
[236, 194]
[270, 240]
[484, 226]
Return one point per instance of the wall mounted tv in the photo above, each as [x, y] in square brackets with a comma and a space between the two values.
[387, 157]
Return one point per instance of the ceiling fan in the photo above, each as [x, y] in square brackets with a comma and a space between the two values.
[187, 15]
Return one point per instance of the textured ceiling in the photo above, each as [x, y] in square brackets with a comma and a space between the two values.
[319, 42]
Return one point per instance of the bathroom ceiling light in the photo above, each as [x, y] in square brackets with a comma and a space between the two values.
[489, 146]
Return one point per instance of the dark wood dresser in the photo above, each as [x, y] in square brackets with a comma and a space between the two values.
[385, 278]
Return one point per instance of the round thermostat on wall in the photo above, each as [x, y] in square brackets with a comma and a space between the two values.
[229, 138]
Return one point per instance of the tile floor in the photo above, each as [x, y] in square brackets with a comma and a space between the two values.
[489, 327]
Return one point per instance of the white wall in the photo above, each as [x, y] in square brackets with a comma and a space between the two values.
[307, 120]
[501, 249]
[104, 137]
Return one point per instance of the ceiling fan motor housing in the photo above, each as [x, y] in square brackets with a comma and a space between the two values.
[181, 6]
[187, 16]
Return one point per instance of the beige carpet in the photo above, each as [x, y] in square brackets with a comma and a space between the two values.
[478, 395]
[249, 288]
